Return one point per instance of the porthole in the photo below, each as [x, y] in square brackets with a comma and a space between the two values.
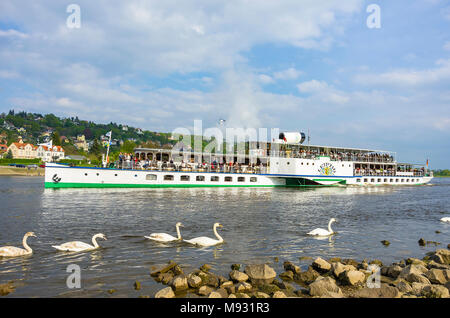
[85, 174]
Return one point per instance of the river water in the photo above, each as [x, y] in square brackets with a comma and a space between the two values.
[259, 225]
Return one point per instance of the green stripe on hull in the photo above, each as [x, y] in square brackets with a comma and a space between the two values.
[124, 185]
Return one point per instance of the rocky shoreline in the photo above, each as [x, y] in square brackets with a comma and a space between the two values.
[332, 278]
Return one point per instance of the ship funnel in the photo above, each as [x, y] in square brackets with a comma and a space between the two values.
[292, 137]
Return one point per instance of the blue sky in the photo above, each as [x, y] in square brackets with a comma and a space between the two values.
[288, 64]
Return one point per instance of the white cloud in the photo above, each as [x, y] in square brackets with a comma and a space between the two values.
[12, 33]
[312, 86]
[408, 77]
[266, 79]
[288, 74]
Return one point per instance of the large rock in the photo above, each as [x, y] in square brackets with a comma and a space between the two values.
[433, 264]
[243, 287]
[260, 274]
[261, 295]
[441, 256]
[412, 269]
[179, 283]
[321, 265]
[238, 276]
[391, 271]
[385, 291]
[205, 290]
[194, 281]
[417, 288]
[287, 275]
[404, 287]
[323, 285]
[165, 293]
[417, 278]
[435, 291]
[339, 268]
[437, 276]
[6, 289]
[352, 278]
[215, 295]
[288, 266]
[279, 294]
[164, 269]
[308, 276]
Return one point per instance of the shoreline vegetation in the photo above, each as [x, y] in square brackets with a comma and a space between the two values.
[332, 278]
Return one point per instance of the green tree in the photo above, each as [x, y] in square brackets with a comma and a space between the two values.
[56, 139]
[96, 148]
[128, 146]
[9, 154]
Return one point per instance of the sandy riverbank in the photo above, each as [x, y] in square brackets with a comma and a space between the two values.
[13, 171]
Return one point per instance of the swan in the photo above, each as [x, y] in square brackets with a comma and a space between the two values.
[206, 241]
[11, 251]
[446, 219]
[77, 246]
[164, 237]
[323, 232]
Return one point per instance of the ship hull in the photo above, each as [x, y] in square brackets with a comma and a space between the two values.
[61, 176]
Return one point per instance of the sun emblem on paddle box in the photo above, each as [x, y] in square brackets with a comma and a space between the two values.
[327, 169]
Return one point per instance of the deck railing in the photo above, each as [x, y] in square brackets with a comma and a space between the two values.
[335, 157]
[167, 167]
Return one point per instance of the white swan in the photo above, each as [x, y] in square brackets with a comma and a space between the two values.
[206, 241]
[11, 251]
[446, 219]
[77, 246]
[164, 237]
[323, 232]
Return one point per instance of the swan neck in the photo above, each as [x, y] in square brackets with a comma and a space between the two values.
[178, 232]
[94, 241]
[329, 226]
[25, 245]
[217, 234]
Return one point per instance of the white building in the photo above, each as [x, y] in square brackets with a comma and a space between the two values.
[49, 154]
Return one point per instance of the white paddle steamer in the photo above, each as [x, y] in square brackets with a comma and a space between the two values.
[286, 162]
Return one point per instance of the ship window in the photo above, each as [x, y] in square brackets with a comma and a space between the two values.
[342, 165]
[168, 177]
[313, 163]
[358, 180]
[85, 174]
[115, 174]
[215, 178]
[385, 180]
[241, 179]
[184, 178]
[253, 179]
[365, 179]
[403, 180]
[151, 177]
[391, 180]
[407, 180]
[97, 174]
[307, 163]
[200, 178]
[396, 180]
[288, 163]
[379, 179]
[349, 165]
[372, 180]
[228, 179]
[135, 175]
[302, 163]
